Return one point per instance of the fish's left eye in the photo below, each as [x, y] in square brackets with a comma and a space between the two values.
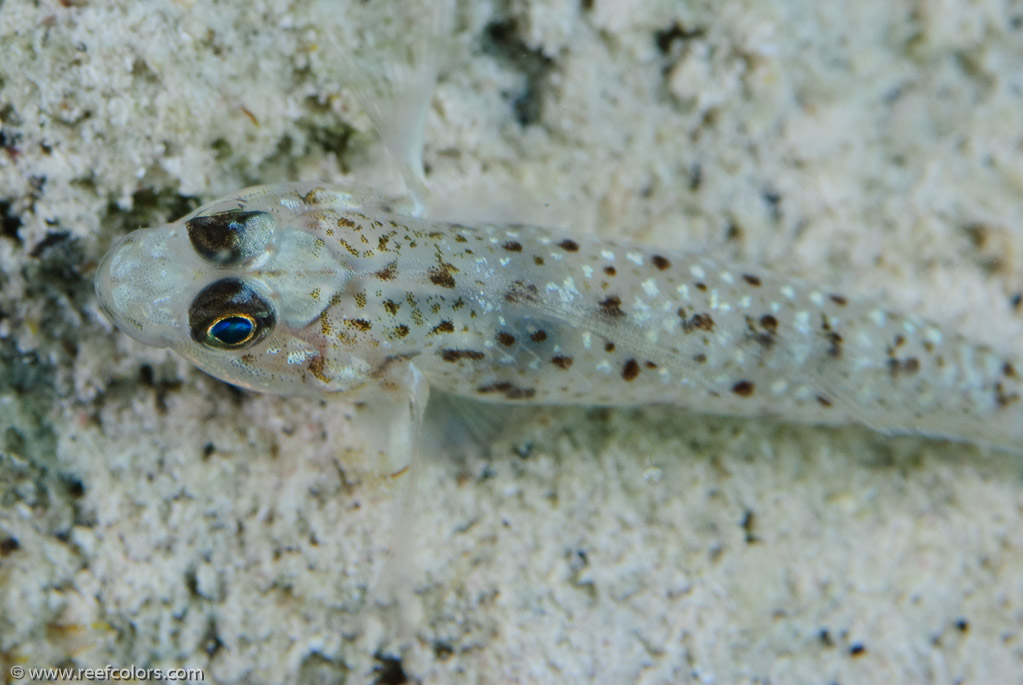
[230, 238]
[231, 314]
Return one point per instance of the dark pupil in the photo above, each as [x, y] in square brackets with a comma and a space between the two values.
[232, 330]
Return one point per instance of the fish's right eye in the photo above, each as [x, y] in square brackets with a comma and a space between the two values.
[230, 238]
[230, 314]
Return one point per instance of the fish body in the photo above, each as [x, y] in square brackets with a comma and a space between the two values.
[304, 288]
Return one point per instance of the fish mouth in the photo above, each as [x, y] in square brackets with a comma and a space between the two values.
[139, 284]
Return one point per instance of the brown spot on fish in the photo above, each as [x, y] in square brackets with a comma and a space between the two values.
[391, 306]
[698, 322]
[744, 388]
[610, 270]
[521, 291]
[612, 306]
[389, 361]
[563, 363]
[840, 300]
[764, 338]
[660, 262]
[510, 391]
[835, 344]
[1003, 398]
[569, 245]
[443, 327]
[752, 280]
[348, 246]
[358, 324]
[513, 246]
[442, 277]
[316, 366]
[539, 336]
[388, 272]
[630, 370]
[506, 339]
[909, 366]
[450, 355]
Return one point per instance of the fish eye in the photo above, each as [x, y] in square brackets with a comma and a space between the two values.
[231, 331]
[230, 314]
[230, 238]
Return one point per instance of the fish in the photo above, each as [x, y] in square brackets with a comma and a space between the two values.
[310, 288]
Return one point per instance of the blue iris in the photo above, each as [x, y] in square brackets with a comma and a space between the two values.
[232, 330]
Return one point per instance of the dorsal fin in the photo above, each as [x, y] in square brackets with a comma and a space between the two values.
[392, 70]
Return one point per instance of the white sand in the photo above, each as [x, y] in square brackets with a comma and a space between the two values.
[160, 519]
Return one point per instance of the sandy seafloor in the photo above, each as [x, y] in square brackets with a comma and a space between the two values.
[150, 515]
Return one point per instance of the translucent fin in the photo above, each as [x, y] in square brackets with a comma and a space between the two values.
[397, 580]
[458, 427]
[400, 404]
[392, 70]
